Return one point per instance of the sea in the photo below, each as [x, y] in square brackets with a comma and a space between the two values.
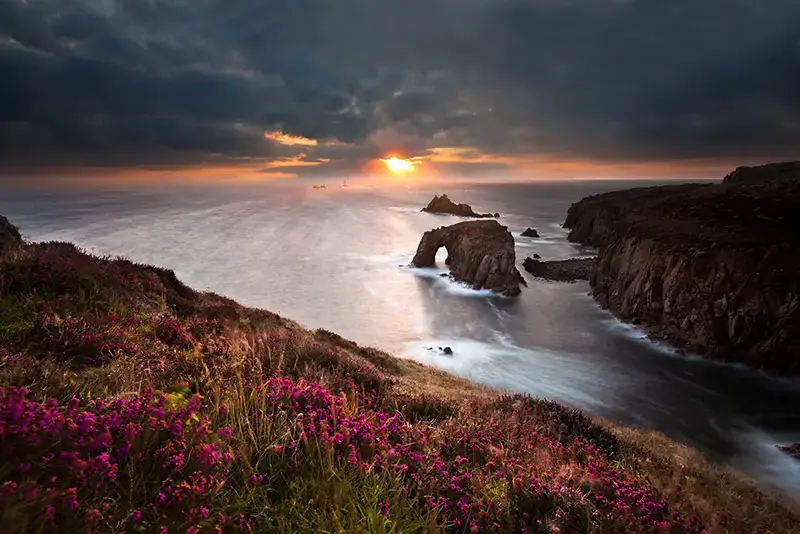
[338, 258]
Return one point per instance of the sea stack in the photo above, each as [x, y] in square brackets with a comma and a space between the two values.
[443, 205]
[479, 253]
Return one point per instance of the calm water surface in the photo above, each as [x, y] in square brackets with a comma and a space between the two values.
[335, 258]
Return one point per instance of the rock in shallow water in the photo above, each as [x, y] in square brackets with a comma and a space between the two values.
[563, 270]
[530, 232]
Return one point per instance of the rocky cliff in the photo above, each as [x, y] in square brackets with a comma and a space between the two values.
[479, 253]
[443, 205]
[9, 235]
[711, 268]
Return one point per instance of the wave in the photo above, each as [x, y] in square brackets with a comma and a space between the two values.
[497, 363]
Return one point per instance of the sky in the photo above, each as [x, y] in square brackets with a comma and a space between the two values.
[314, 88]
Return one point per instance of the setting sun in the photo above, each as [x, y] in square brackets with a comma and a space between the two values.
[398, 166]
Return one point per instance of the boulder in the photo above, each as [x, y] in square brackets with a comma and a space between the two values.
[480, 254]
[443, 205]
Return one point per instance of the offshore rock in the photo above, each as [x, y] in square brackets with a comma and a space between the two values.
[479, 253]
[530, 232]
[443, 205]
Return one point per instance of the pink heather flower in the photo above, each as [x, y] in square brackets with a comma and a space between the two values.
[383, 506]
[203, 512]
[136, 515]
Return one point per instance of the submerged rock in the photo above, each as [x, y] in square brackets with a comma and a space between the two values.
[480, 253]
[443, 204]
[530, 232]
[9, 235]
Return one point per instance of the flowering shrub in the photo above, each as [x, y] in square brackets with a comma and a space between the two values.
[61, 268]
[134, 461]
[482, 473]
[171, 331]
[81, 340]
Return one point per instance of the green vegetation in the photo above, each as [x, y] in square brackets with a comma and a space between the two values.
[131, 403]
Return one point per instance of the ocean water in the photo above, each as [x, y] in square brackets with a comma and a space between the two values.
[337, 258]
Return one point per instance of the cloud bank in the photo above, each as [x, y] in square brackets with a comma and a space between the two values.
[188, 83]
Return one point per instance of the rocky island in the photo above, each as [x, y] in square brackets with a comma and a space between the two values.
[710, 268]
[443, 205]
[479, 253]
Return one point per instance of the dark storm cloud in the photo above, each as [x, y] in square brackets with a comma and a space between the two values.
[121, 82]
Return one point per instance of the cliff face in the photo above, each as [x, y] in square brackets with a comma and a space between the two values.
[479, 253]
[713, 269]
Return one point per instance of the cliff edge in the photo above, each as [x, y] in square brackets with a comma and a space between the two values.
[710, 268]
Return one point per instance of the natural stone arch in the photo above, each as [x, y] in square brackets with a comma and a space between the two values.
[479, 253]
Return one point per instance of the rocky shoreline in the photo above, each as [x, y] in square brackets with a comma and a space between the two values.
[710, 268]
[572, 270]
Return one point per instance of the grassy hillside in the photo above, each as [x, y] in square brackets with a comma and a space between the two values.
[132, 403]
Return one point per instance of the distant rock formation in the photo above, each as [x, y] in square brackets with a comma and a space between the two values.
[789, 170]
[479, 253]
[323, 186]
[570, 270]
[9, 235]
[442, 204]
[710, 268]
[530, 232]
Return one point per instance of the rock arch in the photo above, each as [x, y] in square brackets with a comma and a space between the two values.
[479, 253]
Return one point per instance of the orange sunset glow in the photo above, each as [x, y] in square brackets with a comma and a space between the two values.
[398, 166]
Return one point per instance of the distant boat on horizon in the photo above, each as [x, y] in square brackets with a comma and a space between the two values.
[344, 183]
[323, 186]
